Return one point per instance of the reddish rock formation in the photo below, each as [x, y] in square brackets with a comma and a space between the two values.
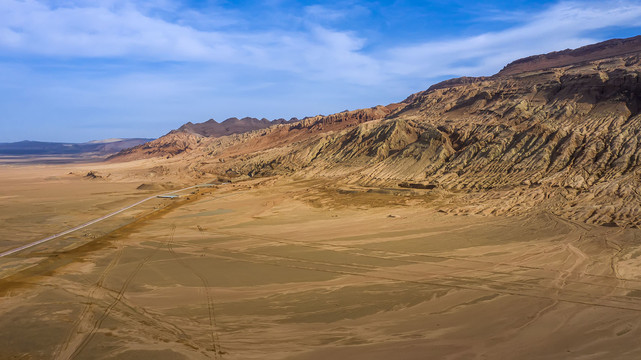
[602, 50]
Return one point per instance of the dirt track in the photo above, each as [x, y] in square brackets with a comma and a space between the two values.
[302, 270]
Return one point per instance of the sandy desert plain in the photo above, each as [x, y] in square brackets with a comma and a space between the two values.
[286, 268]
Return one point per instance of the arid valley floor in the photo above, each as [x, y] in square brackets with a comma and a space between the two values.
[286, 268]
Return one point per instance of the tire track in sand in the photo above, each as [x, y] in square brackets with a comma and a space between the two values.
[85, 316]
[215, 340]
[98, 323]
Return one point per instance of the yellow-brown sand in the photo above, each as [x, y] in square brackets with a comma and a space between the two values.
[300, 270]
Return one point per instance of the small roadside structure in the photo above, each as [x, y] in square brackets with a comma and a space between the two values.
[167, 196]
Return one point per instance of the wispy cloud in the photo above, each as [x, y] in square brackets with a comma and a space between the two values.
[119, 29]
[564, 25]
[34, 28]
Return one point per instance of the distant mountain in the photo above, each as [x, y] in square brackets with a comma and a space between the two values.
[97, 147]
[211, 128]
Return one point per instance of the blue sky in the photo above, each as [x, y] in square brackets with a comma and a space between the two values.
[79, 70]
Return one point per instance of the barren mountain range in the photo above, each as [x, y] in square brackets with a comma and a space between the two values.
[555, 133]
[211, 128]
[98, 147]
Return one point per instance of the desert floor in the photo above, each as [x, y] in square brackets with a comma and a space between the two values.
[302, 269]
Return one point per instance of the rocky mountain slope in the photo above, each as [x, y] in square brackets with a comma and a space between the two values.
[194, 136]
[602, 50]
[559, 133]
[188, 136]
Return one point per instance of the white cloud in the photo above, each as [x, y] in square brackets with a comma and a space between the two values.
[104, 32]
[124, 31]
[320, 12]
[121, 30]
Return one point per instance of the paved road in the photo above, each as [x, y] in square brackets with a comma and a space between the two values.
[23, 247]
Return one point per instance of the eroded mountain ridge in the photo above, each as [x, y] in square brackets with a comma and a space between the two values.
[536, 136]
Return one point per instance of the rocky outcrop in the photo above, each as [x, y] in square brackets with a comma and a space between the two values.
[167, 146]
[602, 50]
